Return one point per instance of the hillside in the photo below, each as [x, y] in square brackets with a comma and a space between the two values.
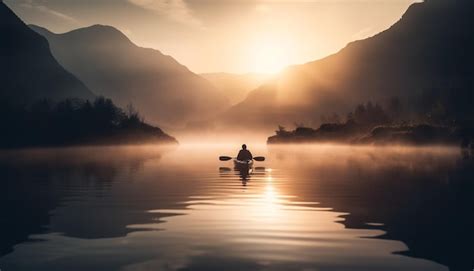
[165, 91]
[28, 71]
[236, 87]
[425, 60]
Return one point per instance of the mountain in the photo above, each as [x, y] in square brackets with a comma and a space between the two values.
[28, 71]
[425, 60]
[164, 91]
[236, 86]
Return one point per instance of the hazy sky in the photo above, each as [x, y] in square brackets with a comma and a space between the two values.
[225, 35]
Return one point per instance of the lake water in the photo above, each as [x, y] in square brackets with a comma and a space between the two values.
[178, 208]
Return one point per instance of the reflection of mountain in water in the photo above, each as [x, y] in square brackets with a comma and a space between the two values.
[34, 183]
[425, 201]
[433, 219]
[420, 196]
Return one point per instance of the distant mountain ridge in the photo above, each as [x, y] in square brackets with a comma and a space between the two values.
[164, 91]
[423, 59]
[28, 70]
[236, 86]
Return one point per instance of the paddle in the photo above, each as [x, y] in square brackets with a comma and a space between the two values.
[227, 158]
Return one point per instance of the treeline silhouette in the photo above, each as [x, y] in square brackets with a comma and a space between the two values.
[73, 122]
[370, 114]
[374, 124]
[448, 106]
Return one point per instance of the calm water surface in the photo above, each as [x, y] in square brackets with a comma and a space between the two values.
[305, 208]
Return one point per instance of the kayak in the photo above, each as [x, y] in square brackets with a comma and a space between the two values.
[243, 163]
[244, 167]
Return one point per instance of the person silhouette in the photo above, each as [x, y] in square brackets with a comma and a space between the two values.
[244, 154]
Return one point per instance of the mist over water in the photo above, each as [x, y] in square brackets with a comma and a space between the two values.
[307, 207]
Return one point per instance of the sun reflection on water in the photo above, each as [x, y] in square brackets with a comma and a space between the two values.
[288, 217]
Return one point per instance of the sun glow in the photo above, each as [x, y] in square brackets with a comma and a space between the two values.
[271, 55]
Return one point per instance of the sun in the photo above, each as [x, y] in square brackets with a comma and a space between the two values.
[270, 55]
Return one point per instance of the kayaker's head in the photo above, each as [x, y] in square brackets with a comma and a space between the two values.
[244, 147]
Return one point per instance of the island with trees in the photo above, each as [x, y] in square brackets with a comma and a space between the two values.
[75, 122]
[373, 124]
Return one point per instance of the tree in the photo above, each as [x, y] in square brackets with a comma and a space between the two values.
[394, 107]
[360, 114]
[335, 118]
[282, 131]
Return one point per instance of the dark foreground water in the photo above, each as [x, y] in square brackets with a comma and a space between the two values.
[305, 208]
